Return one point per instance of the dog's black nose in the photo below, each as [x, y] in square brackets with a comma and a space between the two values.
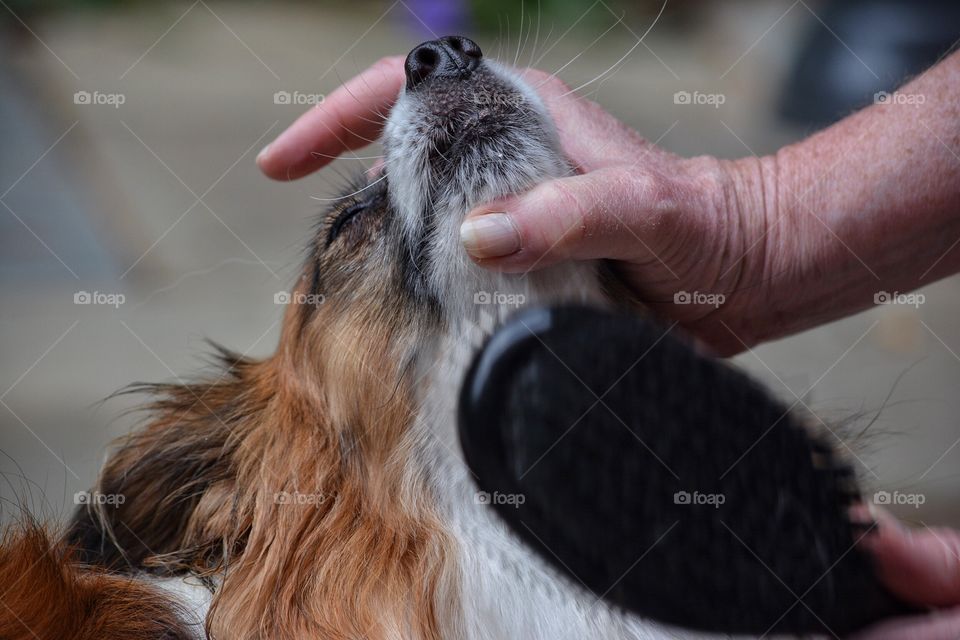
[451, 56]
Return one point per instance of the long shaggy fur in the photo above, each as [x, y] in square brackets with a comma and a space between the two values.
[48, 593]
[294, 499]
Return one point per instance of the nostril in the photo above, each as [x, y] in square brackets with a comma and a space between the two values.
[470, 48]
[422, 62]
[426, 57]
[464, 46]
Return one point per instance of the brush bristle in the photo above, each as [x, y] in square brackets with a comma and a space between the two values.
[665, 481]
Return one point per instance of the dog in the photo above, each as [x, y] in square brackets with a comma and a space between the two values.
[321, 492]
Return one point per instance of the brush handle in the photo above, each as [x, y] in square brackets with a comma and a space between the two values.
[666, 482]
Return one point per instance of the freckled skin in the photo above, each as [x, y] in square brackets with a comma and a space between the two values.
[803, 236]
[877, 192]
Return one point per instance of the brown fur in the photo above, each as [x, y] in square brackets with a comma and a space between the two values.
[327, 418]
[46, 594]
[363, 558]
[358, 551]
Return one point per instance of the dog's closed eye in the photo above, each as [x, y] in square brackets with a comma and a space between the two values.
[345, 219]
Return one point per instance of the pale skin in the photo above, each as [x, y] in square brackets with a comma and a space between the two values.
[792, 240]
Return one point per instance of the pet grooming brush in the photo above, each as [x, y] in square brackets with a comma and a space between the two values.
[665, 481]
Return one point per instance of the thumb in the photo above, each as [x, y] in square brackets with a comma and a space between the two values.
[602, 214]
[922, 566]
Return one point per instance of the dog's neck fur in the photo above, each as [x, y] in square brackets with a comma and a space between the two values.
[432, 206]
[505, 589]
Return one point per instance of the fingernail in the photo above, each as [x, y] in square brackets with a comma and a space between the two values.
[491, 235]
[263, 153]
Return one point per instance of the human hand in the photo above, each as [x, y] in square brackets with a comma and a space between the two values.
[768, 246]
[922, 568]
[679, 232]
[673, 226]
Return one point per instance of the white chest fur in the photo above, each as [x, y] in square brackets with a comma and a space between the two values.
[506, 591]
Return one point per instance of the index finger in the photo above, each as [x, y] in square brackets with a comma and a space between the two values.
[349, 118]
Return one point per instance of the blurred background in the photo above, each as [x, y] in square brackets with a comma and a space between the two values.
[134, 223]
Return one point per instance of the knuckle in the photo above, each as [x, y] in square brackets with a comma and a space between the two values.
[646, 188]
[620, 188]
[555, 84]
[567, 199]
[627, 177]
[629, 197]
[571, 217]
[336, 111]
[546, 84]
[658, 201]
[536, 75]
[646, 191]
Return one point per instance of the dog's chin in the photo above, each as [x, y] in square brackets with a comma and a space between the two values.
[448, 151]
[452, 145]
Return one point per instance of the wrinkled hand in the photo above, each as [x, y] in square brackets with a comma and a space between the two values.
[672, 226]
[922, 567]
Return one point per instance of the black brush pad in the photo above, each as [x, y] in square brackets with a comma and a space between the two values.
[667, 482]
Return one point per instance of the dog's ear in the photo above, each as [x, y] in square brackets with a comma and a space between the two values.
[343, 542]
[168, 488]
[49, 594]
